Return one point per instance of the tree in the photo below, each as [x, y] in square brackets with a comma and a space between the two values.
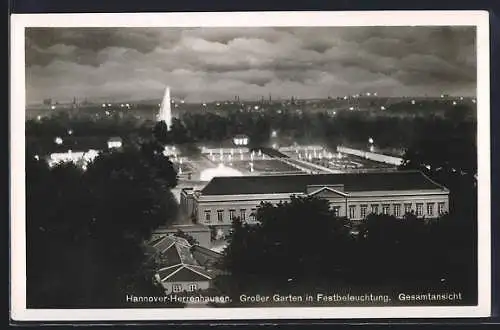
[191, 240]
[300, 239]
[92, 225]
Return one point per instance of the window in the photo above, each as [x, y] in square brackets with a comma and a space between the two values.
[192, 287]
[430, 209]
[407, 208]
[336, 211]
[176, 287]
[441, 207]
[397, 210]
[253, 214]
[374, 208]
[232, 214]
[420, 211]
[385, 208]
[352, 211]
[242, 214]
[363, 209]
[207, 215]
[220, 215]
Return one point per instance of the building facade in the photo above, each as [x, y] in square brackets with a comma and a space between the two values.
[351, 195]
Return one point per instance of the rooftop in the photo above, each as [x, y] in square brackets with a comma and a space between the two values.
[371, 181]
[177, 262]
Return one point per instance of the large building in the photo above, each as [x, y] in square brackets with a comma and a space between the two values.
[351, 195]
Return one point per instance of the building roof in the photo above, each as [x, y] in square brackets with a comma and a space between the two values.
[183, 273]
[174, 250]
[371, 181]
[177, 262]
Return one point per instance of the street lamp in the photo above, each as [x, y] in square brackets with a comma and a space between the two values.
[370, 140]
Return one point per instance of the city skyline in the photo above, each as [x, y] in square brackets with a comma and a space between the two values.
[211, 64]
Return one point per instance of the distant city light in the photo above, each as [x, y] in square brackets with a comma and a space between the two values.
[218, 104]
[368, 94]
[70, 132]
[461, 98]
[345, 97]
[256, 107]
[382, 108]
[275, 146]
[58, 140]
[107, 113]
[182, 101]
[53, 107]
[127, 105]
[109, 104]
[122, 105]
[351, 108]
[204, 104]
[38, 117]
[335, 112]
[37, 157]
[454, 102]
[274, 134]
[442, 95]
[412, 101]
[104, 105]
[370, 140]
[375, 94]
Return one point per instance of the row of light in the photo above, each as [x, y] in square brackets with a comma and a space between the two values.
[242, 157]
[359, 95]
[321, 155]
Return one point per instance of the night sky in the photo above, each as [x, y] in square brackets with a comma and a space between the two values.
[208, 64]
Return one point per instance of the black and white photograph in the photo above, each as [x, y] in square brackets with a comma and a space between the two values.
[243, 166]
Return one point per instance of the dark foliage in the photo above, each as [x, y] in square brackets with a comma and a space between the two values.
[301, 245]
[191, 240]
[85, 230]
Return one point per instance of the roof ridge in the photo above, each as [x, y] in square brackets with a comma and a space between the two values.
[434, 182]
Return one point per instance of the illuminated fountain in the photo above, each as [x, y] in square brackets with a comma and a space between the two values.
[219, 171]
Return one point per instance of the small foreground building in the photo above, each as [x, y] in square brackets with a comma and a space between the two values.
[178, 270]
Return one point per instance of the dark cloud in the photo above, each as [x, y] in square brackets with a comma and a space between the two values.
[214, 63]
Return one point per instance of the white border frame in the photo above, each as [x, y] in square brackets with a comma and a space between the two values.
[19, 22]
